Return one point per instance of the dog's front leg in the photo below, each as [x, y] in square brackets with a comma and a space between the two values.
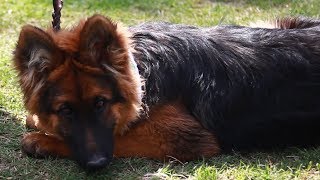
[40, 145]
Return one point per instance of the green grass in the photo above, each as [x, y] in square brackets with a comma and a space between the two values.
[287, 164]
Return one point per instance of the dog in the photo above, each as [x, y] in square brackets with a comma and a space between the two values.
[160, 90]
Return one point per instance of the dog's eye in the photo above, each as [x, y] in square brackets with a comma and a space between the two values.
[65, 110]
[100, 103]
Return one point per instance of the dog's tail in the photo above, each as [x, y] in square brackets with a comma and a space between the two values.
[297, 23]
[289, 23]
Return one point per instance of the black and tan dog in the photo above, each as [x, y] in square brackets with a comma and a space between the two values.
[158, 90]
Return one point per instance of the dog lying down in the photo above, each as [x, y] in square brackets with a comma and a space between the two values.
[161, 90]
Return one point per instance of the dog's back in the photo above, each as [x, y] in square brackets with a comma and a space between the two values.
[252, 87]
[207, 90]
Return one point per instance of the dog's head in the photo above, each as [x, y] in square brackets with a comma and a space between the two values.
[80, 84]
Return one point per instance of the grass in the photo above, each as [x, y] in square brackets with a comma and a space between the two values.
[287, 164]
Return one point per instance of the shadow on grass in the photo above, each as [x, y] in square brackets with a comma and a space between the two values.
[15, 164]
[10, 125]
[286, 159]
[291, 160]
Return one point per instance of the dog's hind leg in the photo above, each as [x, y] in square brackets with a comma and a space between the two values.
[169, 131]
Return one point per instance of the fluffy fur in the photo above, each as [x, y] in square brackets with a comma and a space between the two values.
[206, 90]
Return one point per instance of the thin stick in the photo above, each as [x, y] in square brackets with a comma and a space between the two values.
[56, 14]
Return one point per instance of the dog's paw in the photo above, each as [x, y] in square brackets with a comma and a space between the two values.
[40, 145]
[34, 144]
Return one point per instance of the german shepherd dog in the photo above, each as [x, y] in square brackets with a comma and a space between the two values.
[161, 90]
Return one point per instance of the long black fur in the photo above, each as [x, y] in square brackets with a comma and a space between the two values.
[252, 87]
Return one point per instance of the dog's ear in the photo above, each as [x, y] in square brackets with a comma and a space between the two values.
[34, 57]
[98, 41]
[35, 51]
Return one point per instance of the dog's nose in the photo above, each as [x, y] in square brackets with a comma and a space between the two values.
[97, 162]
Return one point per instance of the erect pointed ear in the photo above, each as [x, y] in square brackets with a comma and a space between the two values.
[34, 57]
[36, 51]
[97, 40]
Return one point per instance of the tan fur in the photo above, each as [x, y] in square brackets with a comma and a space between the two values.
[41, 144]
[68, 41]
[168, 132]
[74, 65]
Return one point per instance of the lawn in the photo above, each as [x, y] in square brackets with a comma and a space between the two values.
[288, 164]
